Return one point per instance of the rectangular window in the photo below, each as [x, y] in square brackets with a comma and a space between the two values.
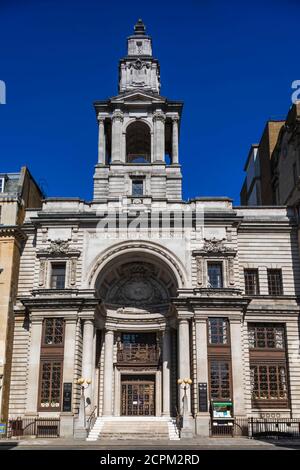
[58, 276]
[50, 384]
[275, 282]
[251, 281]
[220, 388]
[218, 331]
[1, 185]
[53, 332]
[214, 274]
[266, 336]
[137, 187]
[268, 382]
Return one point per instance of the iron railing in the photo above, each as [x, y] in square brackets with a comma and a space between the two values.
[38, 427]
[138, 353]
[257, 428]
[288, 428]
[91, 419]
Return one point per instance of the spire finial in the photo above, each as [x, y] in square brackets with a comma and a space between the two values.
[139, 28]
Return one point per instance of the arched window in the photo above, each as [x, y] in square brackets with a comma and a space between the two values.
[138, 143]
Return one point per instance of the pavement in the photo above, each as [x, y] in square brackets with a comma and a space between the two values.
[184, 444]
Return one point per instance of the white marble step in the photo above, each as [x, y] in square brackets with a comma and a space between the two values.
[134, 428]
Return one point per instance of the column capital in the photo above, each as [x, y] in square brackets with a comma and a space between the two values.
[117, 115]
[235, 319]
[101, 117]
[109, 331]
[87, 318]
[158, 115]
[201, 318]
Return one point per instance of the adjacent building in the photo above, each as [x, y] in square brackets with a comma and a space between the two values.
[272, 166]
[257, 188]
[139, 288]
[18, 191]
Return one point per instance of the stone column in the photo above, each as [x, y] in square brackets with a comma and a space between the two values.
[237, 367]
[159, 136]
[202, 418]
[67, 418]
[184, 368]
[88, 359]
[108, 372]
[34, 366]
[117, 401]
[166, 367]
[117, 120]
[101, 140]
[175, 158]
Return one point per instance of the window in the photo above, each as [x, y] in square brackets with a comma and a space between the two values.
[137, 187]
[1, 185]
[251, 281]
[53, 333]
[58, 275]
[220, 380]
[50, 384]
[275, 282]
[266, 336]
[268, 382]
[218, 331]
[215, 278]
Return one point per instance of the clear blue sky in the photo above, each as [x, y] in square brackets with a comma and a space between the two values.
[231, 62]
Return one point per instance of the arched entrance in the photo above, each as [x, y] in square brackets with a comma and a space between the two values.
[138, 363]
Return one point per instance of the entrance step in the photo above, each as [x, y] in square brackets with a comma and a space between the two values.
[123, 428]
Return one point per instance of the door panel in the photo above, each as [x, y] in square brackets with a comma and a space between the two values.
[138, 397]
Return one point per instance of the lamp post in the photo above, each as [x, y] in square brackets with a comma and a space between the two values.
[186, 430]
[80, 430]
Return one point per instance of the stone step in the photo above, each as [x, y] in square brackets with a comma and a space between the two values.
[115, 428]
[142, 436]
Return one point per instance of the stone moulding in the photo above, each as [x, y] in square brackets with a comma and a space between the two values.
[149, 248]
[59, 248]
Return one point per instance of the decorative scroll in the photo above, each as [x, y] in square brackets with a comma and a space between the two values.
[231, 271]
[199, 264]
[73, 266]
[42, 275]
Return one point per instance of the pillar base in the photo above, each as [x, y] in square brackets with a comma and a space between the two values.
[188, 428]
[80, 432]
[66, 425]
[202, 424]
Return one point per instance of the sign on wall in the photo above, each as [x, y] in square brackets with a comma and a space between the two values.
[67, 397]
[202, 396]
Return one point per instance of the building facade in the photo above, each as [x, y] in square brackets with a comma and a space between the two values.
[18, 191]
[257, 188]
[273, 166]
[139, 288]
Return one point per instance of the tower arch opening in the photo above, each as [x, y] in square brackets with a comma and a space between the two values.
[138, 143]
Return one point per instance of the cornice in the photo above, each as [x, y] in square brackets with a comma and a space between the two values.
[15, 231]
[60, 302]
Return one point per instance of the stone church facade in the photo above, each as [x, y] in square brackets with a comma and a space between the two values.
[139, 288]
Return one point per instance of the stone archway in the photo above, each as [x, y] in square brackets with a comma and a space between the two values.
[136, 289]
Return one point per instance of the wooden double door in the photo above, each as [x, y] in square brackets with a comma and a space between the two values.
[138, 395]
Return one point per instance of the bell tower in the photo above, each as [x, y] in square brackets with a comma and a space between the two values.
[139, 69]
[138, 131]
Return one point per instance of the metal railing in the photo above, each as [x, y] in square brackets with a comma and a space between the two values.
[38, 427]
[288, 428]
[258, 428]
[91, 419]
[138, 353]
